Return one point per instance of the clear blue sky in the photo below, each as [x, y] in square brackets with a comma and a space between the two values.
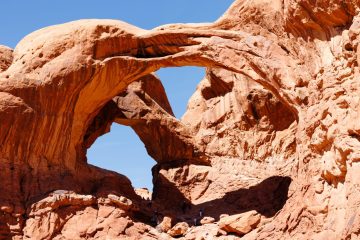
[120, 150]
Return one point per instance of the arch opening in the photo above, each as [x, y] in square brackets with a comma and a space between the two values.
[180, 84]
[136, 123]
[144, 123]
[122, 151]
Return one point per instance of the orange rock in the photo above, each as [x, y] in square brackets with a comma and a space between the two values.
[179, 229]
[207, 220]
[122, 202]
[143, 193]
[166, 224]
[272, 128]
[240, 223]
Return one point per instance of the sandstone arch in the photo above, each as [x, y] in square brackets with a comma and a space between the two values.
[97, 71]
[305, 53]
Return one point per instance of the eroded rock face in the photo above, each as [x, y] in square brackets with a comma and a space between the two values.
[6, 57]
[271, 130]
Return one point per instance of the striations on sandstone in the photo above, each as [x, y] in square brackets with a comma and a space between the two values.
[269, 147]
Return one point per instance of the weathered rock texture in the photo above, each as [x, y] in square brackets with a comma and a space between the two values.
[272, 131]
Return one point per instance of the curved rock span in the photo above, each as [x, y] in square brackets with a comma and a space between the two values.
[269, 147]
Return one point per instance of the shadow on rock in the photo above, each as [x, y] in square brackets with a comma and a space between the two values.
[4, 230]
[267, 198]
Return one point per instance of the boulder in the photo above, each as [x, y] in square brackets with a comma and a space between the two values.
[179, 229]
[165, 224]
[207, 220]
[240, 223]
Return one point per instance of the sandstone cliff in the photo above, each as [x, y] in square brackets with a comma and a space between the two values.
[268, 148]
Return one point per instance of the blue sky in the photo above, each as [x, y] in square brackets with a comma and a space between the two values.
[120, 150]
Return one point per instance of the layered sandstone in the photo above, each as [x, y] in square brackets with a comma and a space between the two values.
[268, 148]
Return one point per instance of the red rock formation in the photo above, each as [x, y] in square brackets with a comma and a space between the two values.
[6, 57]
[272, 128]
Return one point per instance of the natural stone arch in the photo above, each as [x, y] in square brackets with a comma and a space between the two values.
[305, 53]
[56, 88]
[99, 62]
[144, 107]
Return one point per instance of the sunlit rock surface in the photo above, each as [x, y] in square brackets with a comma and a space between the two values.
[268, 148]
